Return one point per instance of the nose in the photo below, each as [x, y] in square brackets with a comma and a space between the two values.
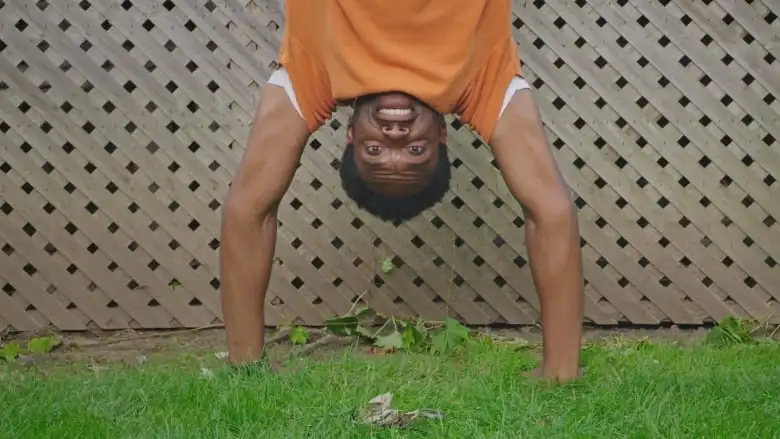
[395, 131]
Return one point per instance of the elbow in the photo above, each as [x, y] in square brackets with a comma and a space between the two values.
[556, 209]
[243, 208]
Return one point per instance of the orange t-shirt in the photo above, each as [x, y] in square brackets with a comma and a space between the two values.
[458, 56]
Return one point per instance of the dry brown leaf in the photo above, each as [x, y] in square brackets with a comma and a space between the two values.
[379, 412]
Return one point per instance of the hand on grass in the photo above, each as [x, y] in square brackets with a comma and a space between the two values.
[539, 374]
[263, 365]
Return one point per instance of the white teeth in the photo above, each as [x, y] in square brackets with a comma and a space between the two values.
[396, 111]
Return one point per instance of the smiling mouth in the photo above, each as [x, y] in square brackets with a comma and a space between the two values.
[395, 107]
[395, 114]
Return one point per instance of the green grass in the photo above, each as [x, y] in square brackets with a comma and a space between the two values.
[631, 390]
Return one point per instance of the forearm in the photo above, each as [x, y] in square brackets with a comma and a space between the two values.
[246, 256]
[555, 259]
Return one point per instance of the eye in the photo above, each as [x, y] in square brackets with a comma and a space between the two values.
[373, 149]
[417, 149]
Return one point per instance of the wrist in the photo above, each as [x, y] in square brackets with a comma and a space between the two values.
[251, 367]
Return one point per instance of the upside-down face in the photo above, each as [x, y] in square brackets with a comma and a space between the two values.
[397, 141]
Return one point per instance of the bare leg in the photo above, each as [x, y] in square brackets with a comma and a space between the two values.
[532, 176]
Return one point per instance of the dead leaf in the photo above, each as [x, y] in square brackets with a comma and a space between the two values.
[379, 412]
[519, 343]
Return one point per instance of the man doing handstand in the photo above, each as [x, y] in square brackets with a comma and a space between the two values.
[402, 65]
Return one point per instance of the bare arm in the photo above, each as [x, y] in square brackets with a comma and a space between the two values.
[552, 237]
[275, 145]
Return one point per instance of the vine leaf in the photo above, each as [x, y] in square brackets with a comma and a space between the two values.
[43, 345]
[411, 336]
[387, 266]
[393, 341]
[10, 351]
[299, 335]
[344, 325]
[350, 323]
[453, 335]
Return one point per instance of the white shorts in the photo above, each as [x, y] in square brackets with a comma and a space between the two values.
[282, 79]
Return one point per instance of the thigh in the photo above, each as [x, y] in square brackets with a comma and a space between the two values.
[524, 157]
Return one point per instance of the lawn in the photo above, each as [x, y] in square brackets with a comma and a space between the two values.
[632, 389]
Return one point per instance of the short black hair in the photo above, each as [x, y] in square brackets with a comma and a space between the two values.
[388, 208]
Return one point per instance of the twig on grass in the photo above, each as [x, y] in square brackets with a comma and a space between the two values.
[774, 332]
[278, 336]
[322, 341]
[155, 335]
[281, 334]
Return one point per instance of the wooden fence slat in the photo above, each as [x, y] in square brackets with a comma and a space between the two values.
[36, 137]
[124, 122]
[594, 160]
[13, 314]
[77, 294]
[689, 206]
[714, 67]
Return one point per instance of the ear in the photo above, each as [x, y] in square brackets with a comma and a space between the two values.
[349, 133]
[443, 131]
